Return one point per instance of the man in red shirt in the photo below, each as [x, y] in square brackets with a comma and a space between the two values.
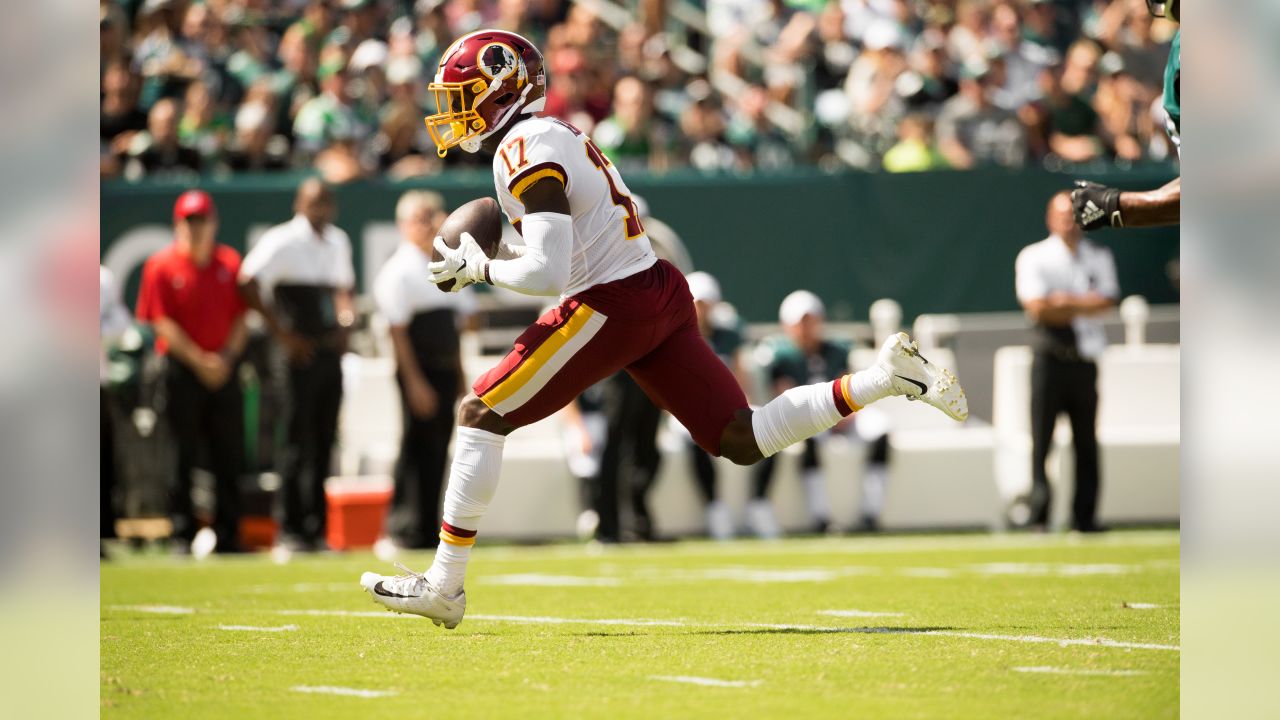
[189, 296]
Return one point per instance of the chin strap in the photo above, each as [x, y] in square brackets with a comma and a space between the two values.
[473, 145]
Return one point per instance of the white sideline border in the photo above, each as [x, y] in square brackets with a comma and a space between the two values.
[1046, 670]
[349, 692]
[254, 628]
[706, 682]
[648, 622]
[154, 609]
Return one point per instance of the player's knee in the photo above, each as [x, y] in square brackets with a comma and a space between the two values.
[473, 413]
[738, 441]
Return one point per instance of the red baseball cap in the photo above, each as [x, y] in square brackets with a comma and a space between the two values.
[193, 202]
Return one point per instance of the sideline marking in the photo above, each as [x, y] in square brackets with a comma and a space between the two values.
[1141, 606]
[707, 682]
[540, 580]
[642, 622]
[349, 692]
[1078, 671]
[158, 609]
[859, 613]
[251, 628]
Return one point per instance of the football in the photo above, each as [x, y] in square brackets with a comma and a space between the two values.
[482, 218]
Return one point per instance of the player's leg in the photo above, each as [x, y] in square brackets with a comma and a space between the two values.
[805, 411]
[684, 376]
[569, 349]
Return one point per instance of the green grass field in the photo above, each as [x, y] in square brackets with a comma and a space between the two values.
[955, 626]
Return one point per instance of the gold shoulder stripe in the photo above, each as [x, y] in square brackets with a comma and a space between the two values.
[524, 183]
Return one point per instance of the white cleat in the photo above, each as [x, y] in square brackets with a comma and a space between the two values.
[411, 593]
[919, 379]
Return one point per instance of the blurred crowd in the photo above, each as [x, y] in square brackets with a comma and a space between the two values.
[339, 86]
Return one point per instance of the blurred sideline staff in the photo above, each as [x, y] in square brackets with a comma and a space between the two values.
[801, 354]
[189, 296]
[722, 329]
[425, 324]
[1064, 282]
[299, 277]
[113, 321]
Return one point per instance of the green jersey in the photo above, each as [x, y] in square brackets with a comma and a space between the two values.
[782, 359]
[1172, 81]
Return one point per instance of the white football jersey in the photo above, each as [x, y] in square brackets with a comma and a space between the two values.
[609, 242]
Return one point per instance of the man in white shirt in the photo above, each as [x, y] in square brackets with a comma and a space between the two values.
[299, 277]
[1065, 282]
[424, 332]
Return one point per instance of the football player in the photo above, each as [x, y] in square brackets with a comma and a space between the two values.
[620, 308]
[1098, 206]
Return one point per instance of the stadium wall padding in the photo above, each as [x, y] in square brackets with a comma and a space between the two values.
[935, 242]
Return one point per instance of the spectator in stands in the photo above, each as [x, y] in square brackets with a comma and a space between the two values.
[1070, 122]
[1121, 104]
[329, 116]
[630, 136]
[189, 296]
[156, 151]
[973, 131]
[833, 72]
[120, 118]
[795, 358]
[256, 147]
[299, 278]
[425, 325]
[1023, 59]
[203, 127]
[1064, 283]
[723, 330]
[915, 151]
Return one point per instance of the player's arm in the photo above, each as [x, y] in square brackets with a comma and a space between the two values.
[1060, 308]
[298, 347]
[543, 269]
[423, 399]
[1098, 206]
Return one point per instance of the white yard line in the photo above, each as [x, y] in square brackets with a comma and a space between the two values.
[624, 622]
[645, 622]
[859, 613]
[349, 692]
[540, 580]
[343, 613]
[927, 572]
[1061, 642]
[704, 681]
[252, 628]
[1141, 606]
[1078, 671]
[157, 609]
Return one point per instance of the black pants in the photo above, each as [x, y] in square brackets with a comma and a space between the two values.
[314, 395]
[106, 467]
[212, 421]
[414, 520]
[762, 473]
[704, 472]
[1069, 386]
[629, 464]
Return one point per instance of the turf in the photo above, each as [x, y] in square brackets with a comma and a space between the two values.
[747, 613]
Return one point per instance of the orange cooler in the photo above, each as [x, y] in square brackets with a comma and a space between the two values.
[357, 509]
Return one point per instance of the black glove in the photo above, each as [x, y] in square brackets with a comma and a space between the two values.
[1096, 205]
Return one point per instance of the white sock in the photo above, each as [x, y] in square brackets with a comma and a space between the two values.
[794, 415]
[870, 385]
[473, 480]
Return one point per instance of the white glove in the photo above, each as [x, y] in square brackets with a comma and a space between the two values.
[465, 264]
